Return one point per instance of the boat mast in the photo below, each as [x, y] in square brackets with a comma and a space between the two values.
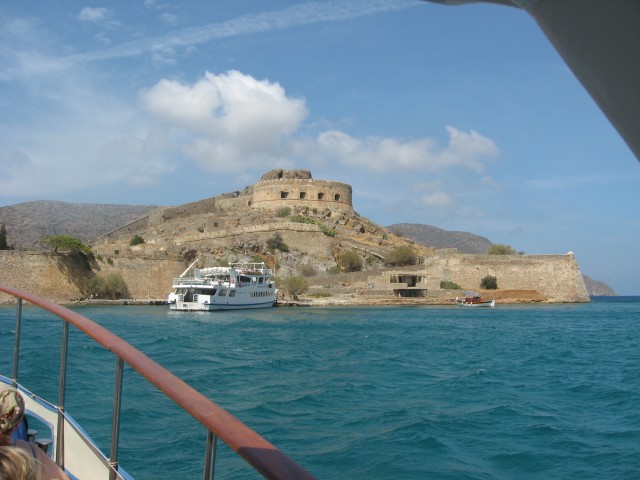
[188, 268]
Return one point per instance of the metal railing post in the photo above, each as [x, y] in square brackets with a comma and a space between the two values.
[16, 342]
[115, 421]
[61, 395]
[210, 456]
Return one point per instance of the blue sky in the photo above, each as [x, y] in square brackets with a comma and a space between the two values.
[464, 118]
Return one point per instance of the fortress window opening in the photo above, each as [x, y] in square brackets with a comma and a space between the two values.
[284, 194]
[303, 195]
[336, 197]
[320, 196]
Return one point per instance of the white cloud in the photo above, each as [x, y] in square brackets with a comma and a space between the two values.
[289, 17]
[169, 18]
[436, 199]
[227, 122]
[431, 185]
[233, 120]
[465, 150]
[94, 15]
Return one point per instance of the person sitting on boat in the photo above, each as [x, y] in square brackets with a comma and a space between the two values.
[16, 464]
[11, 413]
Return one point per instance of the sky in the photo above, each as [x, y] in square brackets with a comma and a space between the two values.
[464, 118]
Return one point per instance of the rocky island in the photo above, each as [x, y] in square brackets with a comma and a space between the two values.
[301, 227]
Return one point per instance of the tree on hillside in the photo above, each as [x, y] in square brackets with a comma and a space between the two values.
[276, 243]
[3, 238]
[136, 240]
[350, 261]
[498, 249]
[489, 283]
[402, 255]
[295, 286]
[67, 244]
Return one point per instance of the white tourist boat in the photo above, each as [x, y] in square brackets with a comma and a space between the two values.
[475, 300]
[238, 286]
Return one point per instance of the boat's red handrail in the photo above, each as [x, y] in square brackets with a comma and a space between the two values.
[258, 452]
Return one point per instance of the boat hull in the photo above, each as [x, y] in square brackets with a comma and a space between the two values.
[487, 303]
[211, 307]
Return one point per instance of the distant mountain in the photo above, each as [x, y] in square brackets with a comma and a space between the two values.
[436, 237]
[598, 289]
[27, 223]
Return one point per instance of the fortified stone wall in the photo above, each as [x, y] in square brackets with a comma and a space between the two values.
[302, 192]
[557, 277]
[131, 229]
[58, 277]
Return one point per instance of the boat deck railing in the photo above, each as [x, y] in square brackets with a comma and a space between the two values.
[196, 282]
[264, 457]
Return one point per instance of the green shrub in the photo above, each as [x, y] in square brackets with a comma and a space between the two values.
[307, 270]
[320, 295]
[283, 212]
[330, 232]
[258, 259]
[110, 286]
[136, 240]
[302, 219]
[3, 238]
[489, 283]
[498, 249]
[448, 285]
[334, 270]
[323, 228]
[350, 261]
[295, 285]
[276, 243]
[402, 255]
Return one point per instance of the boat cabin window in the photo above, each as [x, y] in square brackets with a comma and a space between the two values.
[232, 293]
[223, 292]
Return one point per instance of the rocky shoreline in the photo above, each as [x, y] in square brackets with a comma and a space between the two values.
[504, 297]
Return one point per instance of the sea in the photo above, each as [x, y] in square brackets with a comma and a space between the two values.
[360, 393]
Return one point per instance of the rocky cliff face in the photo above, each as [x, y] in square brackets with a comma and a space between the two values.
[27, 223]
[431, 236]
[598, 289]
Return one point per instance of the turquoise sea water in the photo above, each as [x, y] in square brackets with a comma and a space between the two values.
[533, 391]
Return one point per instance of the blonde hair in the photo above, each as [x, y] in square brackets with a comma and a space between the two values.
[17, 464]
[11, 410]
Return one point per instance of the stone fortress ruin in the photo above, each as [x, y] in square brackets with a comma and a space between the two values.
[290, 188]
[282, 188]
[250, 211]
[315, 219]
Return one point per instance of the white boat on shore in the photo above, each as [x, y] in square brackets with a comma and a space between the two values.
[474, 300]
[238, 286]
